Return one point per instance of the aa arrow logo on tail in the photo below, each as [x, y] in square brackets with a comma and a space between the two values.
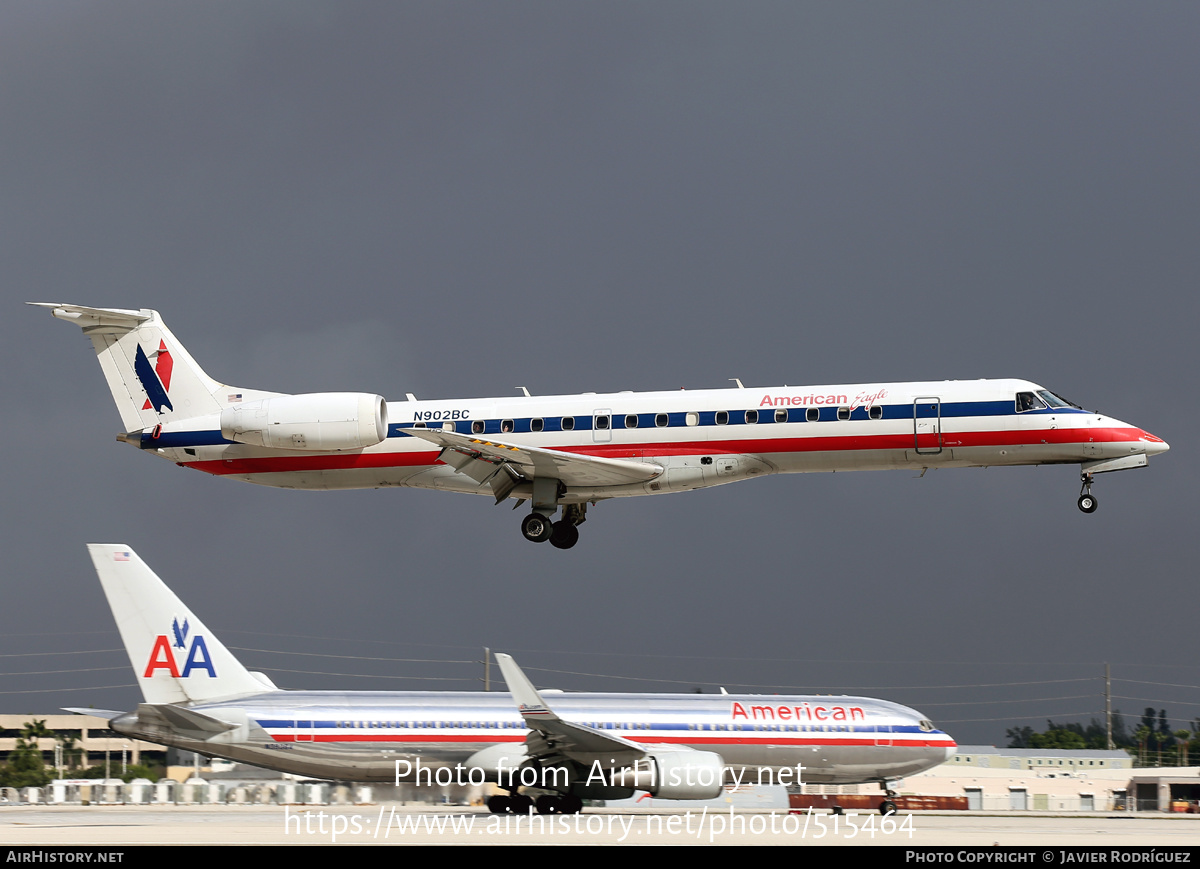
[162, 657]
[155, 380]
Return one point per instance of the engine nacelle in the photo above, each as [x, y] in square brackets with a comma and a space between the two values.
[676, 775]
[318, 421]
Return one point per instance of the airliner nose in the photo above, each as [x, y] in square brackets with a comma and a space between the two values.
[1153, 445]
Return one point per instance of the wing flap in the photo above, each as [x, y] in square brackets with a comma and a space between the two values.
[573, 469]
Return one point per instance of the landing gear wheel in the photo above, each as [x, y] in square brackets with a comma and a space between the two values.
[521, 804]
[499, 804]
[1087, 501]
[565, 535]
[887, 807]
[537, 528]
[836, 810]
[571, 804]
[549, 804]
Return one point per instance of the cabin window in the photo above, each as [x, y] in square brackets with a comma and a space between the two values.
[875, 411]
[722, 417]
[661, 419]
[781, 415]
[692, 418]
[418, 425]
[477, 427]
[812, 414]
[843, 413]
[447, 426]
[631, 420]
[507, 425]
[601, 421]
[568, 423]
[751, 417]
[537, 424]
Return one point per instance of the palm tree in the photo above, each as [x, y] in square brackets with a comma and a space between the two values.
[1141, 735]
[1183, 736]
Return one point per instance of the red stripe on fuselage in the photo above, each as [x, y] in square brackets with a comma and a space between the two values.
[742, 446]
[657, 740]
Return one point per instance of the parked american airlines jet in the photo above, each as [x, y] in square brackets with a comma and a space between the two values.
[589, 746]
[568, 451]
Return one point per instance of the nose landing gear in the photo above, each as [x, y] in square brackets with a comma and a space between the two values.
[1087, 501]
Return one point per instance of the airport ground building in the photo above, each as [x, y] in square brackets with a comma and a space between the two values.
[88, 734]
[1022, 779]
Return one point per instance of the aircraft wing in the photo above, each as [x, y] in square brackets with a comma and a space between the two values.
[484, 460]
[552, 736]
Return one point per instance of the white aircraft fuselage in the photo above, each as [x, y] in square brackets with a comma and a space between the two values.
[199, 697]
[568, 451]
[363, 735]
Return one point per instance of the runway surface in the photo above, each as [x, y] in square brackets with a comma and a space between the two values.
[275, 825]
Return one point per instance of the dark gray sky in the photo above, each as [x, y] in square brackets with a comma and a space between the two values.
[453, 199]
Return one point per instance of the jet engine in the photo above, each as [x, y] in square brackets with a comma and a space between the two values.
[676, 775]
[318, 421]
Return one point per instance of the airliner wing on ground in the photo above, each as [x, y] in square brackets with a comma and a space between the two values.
[198, 697]
[566, 452]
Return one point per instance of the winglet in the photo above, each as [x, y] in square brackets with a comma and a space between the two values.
[529, 702]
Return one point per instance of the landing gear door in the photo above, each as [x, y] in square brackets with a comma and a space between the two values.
[927, 426]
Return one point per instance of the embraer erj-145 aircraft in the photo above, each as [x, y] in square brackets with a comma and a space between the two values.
[589, 746]
[568, 451]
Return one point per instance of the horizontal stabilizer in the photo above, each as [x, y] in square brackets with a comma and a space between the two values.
[90, 318]
[108, 714]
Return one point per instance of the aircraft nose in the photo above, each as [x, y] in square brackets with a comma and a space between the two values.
[1153, 445]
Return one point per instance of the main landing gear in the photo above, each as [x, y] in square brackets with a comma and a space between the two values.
[562, 534]
[546, 804]
[1087, 501]
[888, 806]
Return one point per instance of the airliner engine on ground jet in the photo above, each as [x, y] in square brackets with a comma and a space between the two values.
[198, 697]
[568, 451]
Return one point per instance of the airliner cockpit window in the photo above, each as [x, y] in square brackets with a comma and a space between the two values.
[1054, 401]
[1027, 401]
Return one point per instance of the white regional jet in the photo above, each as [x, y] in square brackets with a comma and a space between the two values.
[198, 697]
[568, 451]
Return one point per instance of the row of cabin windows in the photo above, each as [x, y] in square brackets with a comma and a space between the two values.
[520, 725]
[602, 422]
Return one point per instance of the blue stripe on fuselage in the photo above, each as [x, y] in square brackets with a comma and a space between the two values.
[766, 416]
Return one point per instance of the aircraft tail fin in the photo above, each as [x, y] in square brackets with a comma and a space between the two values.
[175, 657]
[153, 379]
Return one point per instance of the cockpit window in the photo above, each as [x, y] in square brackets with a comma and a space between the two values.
[1027, 401]
[1054, 401]
[926, 725]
